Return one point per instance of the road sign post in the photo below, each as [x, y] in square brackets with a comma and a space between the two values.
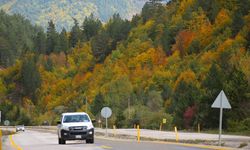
[106, 133]
[106, 112]
[221, 102]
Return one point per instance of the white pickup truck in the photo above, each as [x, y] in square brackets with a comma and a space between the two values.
[75, 126]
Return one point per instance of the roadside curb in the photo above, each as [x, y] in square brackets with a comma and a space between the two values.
[121, 137]
[171, 143]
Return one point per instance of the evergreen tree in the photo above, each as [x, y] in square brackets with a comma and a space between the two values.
[212, 84]
[150, 9]
[168, 39]
[120, 119]
[117, 29]
[91, 27]
[97, 105]
[213, 81]
[236, 87]
[194, 47]
[64, 42]
[135, 20]
[237, 23]
[243, 7]
[6, 57]
[40, 42]
[58, 44]
[30, 77]
[185, 95]
[52, 37]
[75, 34]
[100, 46]
[48, 64]
[16, 36]
[211, 7]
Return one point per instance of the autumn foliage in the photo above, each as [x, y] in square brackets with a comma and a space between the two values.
[169, 62]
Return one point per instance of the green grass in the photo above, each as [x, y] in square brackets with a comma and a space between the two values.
[242, 145]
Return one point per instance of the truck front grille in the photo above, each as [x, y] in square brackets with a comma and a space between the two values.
[80, 128]
[78, 133]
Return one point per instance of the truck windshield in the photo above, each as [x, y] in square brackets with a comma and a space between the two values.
[75, 118]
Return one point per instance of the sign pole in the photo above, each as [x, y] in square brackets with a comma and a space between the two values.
[106, 112]
[221, 113]
[106, 127]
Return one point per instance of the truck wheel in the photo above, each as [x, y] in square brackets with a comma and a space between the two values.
[61, 141]
[90, 141]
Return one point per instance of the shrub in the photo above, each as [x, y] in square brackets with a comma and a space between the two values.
[237, 126]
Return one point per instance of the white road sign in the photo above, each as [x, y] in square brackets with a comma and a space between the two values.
[106, 112]
[221, 102]
[6, 122]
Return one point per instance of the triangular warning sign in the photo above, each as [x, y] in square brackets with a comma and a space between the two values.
[221, 101]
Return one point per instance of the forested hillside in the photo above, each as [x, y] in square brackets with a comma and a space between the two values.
[62, 12]
[171, 61]
[16, 36]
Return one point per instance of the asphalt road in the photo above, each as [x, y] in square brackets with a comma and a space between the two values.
[33, 140]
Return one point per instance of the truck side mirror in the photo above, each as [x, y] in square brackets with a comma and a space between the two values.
[93, 121]
[58, 122]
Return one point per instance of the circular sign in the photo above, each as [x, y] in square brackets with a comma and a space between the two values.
[6, 122]
[106, 112]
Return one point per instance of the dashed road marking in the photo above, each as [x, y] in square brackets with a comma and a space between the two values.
[106, 147]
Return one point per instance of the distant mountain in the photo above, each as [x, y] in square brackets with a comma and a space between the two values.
[62, 11]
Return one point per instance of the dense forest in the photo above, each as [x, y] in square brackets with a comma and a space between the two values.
[171, 61]
[62, 11]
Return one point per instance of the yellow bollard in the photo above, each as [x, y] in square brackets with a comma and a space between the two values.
[0, 139]
[176, 134]
[138, 134]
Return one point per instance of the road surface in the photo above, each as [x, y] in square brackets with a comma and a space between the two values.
[33, 140]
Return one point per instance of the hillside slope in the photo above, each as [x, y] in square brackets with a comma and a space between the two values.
[62, 11]
[171, 61]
